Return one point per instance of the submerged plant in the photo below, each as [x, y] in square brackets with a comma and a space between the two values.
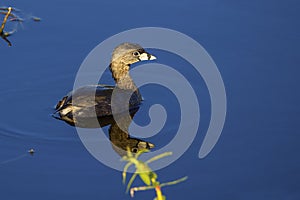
[11, 16]
[148, 176]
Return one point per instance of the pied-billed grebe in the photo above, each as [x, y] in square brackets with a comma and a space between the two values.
[97, 98]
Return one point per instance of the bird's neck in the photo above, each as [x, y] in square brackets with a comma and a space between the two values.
[120, 73]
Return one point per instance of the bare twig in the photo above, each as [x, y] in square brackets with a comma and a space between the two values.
[11, 16]
[4, 34]
[5, 19]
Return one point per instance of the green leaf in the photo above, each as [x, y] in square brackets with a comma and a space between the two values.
[125, 171]
[174, 182]
[158, 157]
[146, 178]
[130, 182]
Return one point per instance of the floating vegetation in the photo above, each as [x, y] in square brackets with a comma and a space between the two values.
[10, 15]
[30, 151]
[148, 176]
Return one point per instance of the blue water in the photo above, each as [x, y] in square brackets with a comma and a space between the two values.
[255, 45]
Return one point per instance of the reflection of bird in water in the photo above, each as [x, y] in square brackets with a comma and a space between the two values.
[85, 101]
[118, 132]
[121, 140]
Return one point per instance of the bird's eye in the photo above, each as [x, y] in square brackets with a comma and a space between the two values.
[134, 150]
[136, 53]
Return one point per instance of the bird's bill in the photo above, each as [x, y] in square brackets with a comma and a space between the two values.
[145, 145]
[146, 56]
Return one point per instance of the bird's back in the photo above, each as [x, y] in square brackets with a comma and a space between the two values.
[95, 101]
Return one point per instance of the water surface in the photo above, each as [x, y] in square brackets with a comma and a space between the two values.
[255, 45]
